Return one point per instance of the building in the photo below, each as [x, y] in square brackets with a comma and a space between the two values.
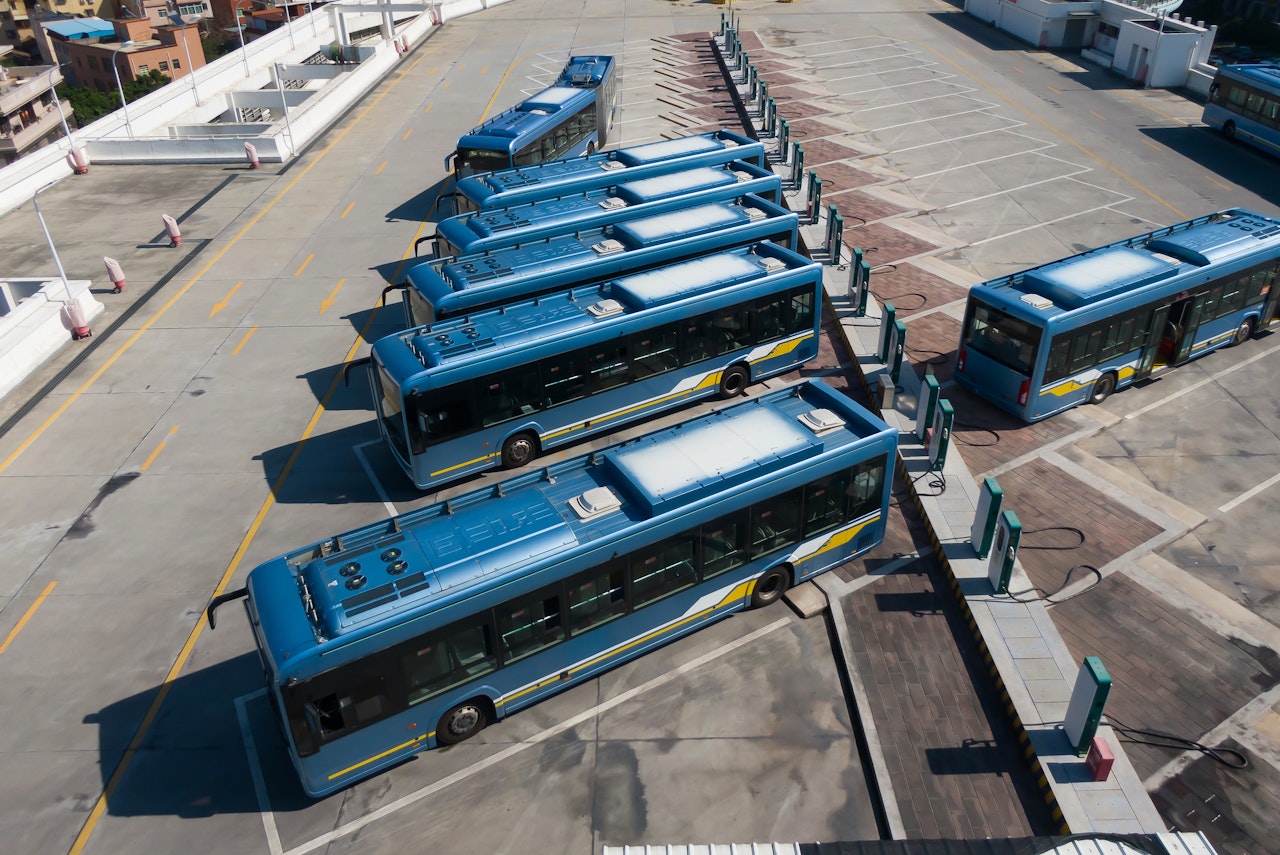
[52, 32]
[29, 110]
[172, 49]
[17, 16]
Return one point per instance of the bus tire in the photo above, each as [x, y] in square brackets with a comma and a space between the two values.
[519, 450]
[733, 381]
[770, 587]
[1102, 388]
[1243, 333]
[1229, 130]
[462, 722]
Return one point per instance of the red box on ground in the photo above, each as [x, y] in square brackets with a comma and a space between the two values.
[1100, 759]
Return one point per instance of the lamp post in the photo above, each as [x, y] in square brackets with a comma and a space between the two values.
[284, 104]
[244, 53]
[288, 23]
[79, 328]
[78, 162]
[178, 20]
[120, 87]
[311, 13]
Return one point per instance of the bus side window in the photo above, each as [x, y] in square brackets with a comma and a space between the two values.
[512, 393]
[596, 598]
[864, 488]
[329, 711]
[801, 311]
[724, 545]
[563, 377]
[767, 318]
[733, 328]
[1056, 368]
[447, 658]
[530, 623]
[663, 569]
[444, 413]
[696, 340]
[824, 503]
[775, 523]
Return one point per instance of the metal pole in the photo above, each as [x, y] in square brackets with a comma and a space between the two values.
[191, 72]
[288, 22]
[120, 87]
[244, 53]
[62, 117]
[285, 105]
[62, 274]
[311, 12]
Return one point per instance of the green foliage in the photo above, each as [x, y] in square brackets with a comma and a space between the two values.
[89, 104]
[215, 46]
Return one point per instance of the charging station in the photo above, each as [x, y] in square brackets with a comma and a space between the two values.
[859, 284]
[897, 344]
[1088, 699]
[887, 318]
[1004, 549]
[926, 405]
[990, 497]
[938, 437]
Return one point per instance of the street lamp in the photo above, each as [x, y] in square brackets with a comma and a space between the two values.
[191, 71]
[75, 314]
[244, 54]
[288, 22]
[120, 87]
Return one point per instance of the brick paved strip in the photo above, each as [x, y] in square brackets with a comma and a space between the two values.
[912, 290]
[855, 206]
[882, 243]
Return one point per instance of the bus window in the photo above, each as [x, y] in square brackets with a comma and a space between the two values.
[445, 413]
[509, 395]
[595, 598]
[733, 326]
[654, 352]
[662, 570]
[724, 545]
[448, 658]
[530, 623]
[564, 378]
[865, 489]
[775, 523]
[824, 503]
[1004, 338]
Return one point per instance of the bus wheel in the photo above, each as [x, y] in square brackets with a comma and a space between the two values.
[1102, 388]
[1243, 333]
[462, 722]
[518, 450]
[770, 587]
[733, 381]
[1229, 130]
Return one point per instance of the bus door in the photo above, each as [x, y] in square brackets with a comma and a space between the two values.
[1156, 345]
[1271, 309]
[1185, 318]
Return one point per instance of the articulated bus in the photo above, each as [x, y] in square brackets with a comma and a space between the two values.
[483, 230]
[570, 117]
[451, 286]
[498, 387]
[1244, 103]
[419, 631]
[524, 184]
[1049, 338]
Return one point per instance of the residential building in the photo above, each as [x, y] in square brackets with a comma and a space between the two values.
[155, 47]
[29, 110]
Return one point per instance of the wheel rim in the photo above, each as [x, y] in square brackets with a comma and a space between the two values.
[1104, 388]
[1242, 334]
[734, 381]
[463, 720]
[519, 450]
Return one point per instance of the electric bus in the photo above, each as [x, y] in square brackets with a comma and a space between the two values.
[1075, 330]
[1244, 103]
[419, 631]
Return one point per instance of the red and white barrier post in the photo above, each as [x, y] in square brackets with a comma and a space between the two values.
[78, 161]
[114, 271]
[251, 155]
[171, 227]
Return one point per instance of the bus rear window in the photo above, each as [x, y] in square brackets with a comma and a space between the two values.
[480, 160]
[1002, 337]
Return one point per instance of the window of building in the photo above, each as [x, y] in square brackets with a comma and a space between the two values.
[164, 65]
[143, 69]
[177, 64]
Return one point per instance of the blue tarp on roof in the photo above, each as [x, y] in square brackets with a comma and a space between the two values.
[80, 28]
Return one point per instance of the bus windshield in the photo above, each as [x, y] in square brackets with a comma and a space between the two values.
[392, 417]
[482, 160]
[1006, 339]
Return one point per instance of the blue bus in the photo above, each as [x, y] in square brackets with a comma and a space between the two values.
[1057, 335]
[523, 184]
[451, 286]
[570, 117]
[483, 230]
[419, 631]
[498, 387]
[1244, 103]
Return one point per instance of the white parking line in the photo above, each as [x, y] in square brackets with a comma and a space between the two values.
[551, 732]
[1035, 151]
[1051, 222]
[1212, 378]
[373, 479]
[255, 771]
[928, 119]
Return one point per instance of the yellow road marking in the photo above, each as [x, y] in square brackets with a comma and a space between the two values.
[159, 448]
[328, 301]
[304, 264]
[406, 135]
[502, 82]
[428, 110]
[483, 69]
[346, 210]
[1156, 146]
[244, 341]
[1219, 183]
[1097, 115]
[26, 616]
[1019, 69]
[99, 807]
[381, 166]
[1055, 91]
[218, 307]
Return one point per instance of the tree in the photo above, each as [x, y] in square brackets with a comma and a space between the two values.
[89, 104]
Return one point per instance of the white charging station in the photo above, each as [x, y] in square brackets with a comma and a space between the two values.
[1004, 549]
[926, 405]
[1088, 699]
[938, 437]
[990, 497]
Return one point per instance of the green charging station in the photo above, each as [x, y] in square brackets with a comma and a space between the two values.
[990, 497]
[1088, 698]
[1004, 550]
[887, 319]
[926, 405]
[939, 437]
[896, 347]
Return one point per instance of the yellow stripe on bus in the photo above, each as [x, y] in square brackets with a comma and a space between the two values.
[480, 459]
[377, 757]
[1068, 386]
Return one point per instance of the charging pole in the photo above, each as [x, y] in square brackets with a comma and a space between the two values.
[939, 434]
[886, 330]
[897, 343]
[1088, 699]
[926, 405]
[990, 497]
[1003, 551]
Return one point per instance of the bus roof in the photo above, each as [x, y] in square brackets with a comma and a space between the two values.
[350, 584]
[564, 212]
[1135, 263]
[527, 117]
[604, 168]
[584, 71]
[455, 340]
[1265, 76]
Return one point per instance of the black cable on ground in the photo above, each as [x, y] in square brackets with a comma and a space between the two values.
[1051, 597]
[938, 483]
[1180, 743]
[1077, 532]
[971, 426]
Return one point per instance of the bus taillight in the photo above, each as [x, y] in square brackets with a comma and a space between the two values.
[1023, 391]
[963, 355]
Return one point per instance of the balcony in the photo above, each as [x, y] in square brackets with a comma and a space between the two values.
[15, 143]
